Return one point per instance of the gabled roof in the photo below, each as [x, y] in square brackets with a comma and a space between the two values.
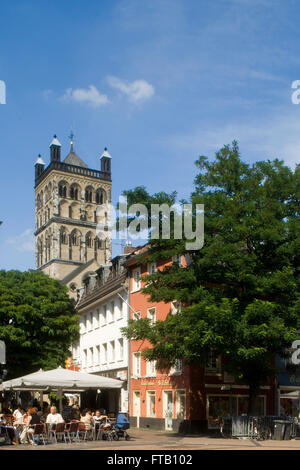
[73, 159]
[76, 271]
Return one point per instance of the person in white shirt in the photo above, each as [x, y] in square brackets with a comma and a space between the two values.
[17, 414]
[54, 417]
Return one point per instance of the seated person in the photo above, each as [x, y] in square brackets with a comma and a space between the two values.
[31, 421]
[87, 419]
[75, 412]
[53, 417]
[17, 414]
[8, 429]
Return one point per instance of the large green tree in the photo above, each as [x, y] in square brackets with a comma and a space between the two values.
[240, 292]
[38, 321]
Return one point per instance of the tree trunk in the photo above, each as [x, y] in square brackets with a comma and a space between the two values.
[253, 399]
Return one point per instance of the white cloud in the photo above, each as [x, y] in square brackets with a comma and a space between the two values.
[90, 96]
[137, 91]
[264, 137]
[24, 241]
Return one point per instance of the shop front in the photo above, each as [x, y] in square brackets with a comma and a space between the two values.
[230, 404]
[288, 383]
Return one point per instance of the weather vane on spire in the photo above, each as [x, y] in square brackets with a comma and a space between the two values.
[71, 137]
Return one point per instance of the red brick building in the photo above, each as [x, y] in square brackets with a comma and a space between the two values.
[183, 398]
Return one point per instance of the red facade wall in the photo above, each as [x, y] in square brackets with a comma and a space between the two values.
[197, 386]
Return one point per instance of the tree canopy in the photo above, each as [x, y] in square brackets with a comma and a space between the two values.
[38, 321]
[239, 294]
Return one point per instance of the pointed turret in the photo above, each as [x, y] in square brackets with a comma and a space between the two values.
[55, 148]
[106, 162]
[39, 167]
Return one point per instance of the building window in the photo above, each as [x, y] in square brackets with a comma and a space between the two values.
[137, 364]
[63, 238]
[112, 311]
[91, 359]
[112, 351]
[151, 268]
[121, 303]
[104, 355]
[88, 195]
[151, 368]
[84, 358]
[104, 315]
[97, 355]
[136, 315]
[136, 279]
[62, 190]
[74, 193]
[89, 241]
[180, 401]
[175, 307]
[151, 411]
[213, 364]
[74, 239]
[90, 321]
[151, 314]
[177, 368]
[121, 349]
[177, 259]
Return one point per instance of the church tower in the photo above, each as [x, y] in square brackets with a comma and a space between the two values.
[67, 194]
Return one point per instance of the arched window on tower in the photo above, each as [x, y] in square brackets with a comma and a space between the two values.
[89, 240]
[63, 237]
[100, 196]
[74, 239]
[74, 191]
[89, 194]
[62, 190]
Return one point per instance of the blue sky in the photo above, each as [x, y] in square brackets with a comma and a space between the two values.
[158, 82]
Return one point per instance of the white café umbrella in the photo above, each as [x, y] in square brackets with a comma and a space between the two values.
[61, 380]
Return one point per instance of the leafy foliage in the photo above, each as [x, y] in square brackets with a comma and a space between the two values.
[38, 321]
[240, 292]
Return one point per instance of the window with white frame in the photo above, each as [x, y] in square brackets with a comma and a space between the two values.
[90, 321]
[104, 353]
[136, 315]
[136, 279]
[96, 319]
[213, 364]
[120, 308]
[112, 351]
[151, 368]
[112, 311]
[84, 358]
[121, 349]
[175, 307]
[137, 364]
[177, 368]
[91, 357]
[180, 403]
[151, 404]
[103, 315]
[177, 259]
[97, 355]
[82, 325]
[151, 268]
[151, 314]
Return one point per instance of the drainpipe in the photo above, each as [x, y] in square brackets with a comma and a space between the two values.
[127, 290]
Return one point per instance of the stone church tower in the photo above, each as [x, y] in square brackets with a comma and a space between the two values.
[67, 194]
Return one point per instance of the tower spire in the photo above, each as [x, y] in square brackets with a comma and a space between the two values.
[71, 137]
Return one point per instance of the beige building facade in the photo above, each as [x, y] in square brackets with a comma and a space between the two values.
[68, 196]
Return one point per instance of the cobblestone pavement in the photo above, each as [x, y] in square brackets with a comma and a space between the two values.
[144, 439]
